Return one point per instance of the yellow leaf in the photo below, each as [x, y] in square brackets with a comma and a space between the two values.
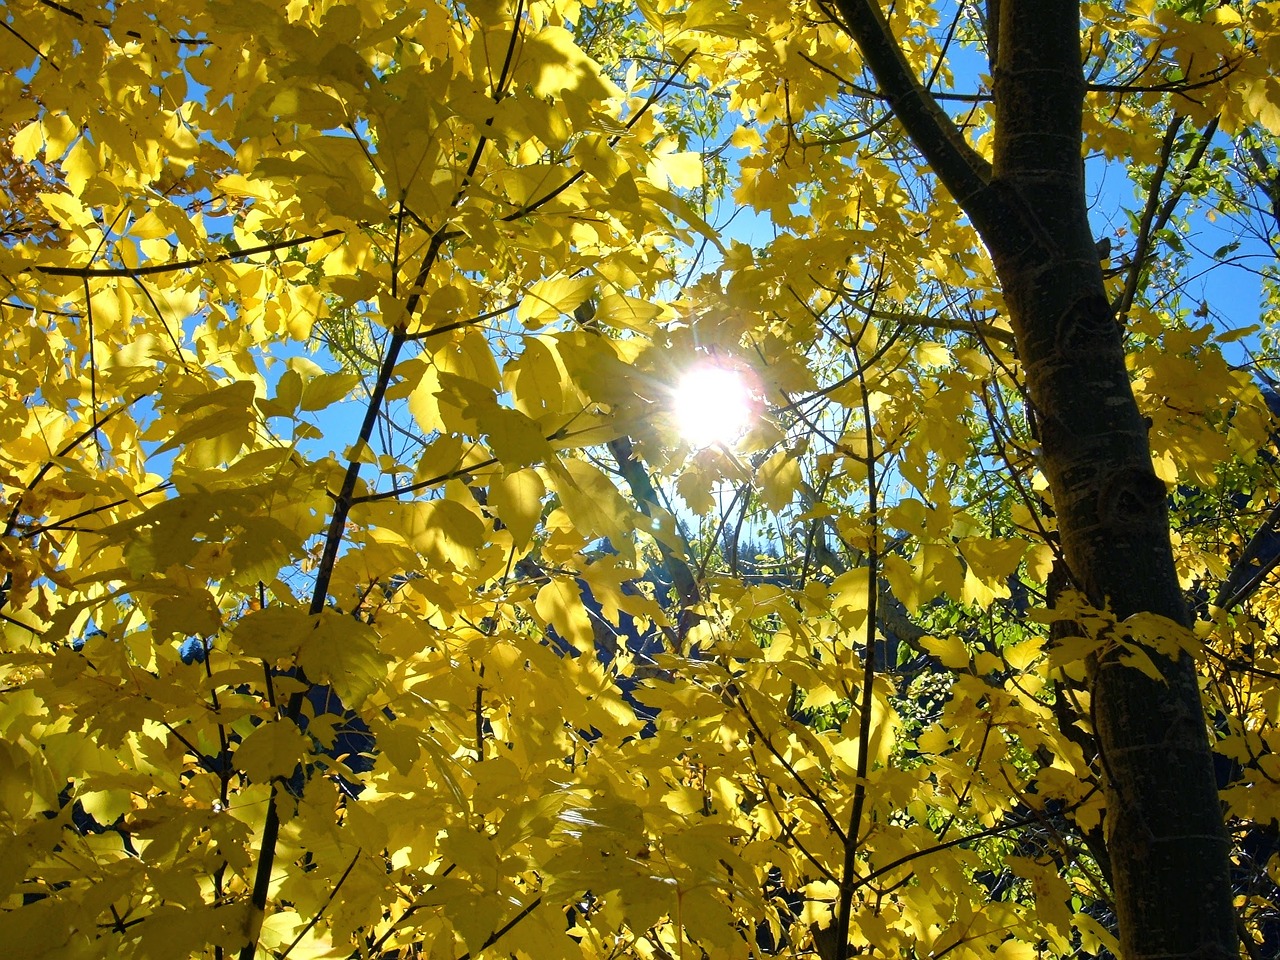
[684, 800]
[1263, 99]
[1022, 655]
[597, 157]
[683, 170]
[273, 633]
[950, 651]
[1039, 562]
[515, 439]
[238, 185]
[424, 405]
[68, 210]
[547, 300]
[1139, 659]
[59, 131]
[517, 500]
[559, 604]
[28, 141]
[344, 654]
[81, 165]
[777, 480]
[931, 355]
[1015, 950]
[223, 412]
[446, 533]
[191, 612]
[1094, 937]
[471, 358]
[326, 389]
[273, 749]
[746, 138]
[849, 592]
[559, 65]
[592, 501]
[536, 380]
[695, 489]
[106, 806]
[446, 304]
[627, 312]
[935, 570]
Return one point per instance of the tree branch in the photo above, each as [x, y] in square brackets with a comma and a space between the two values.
[1156, 214]
[135, 272]
[960, 168]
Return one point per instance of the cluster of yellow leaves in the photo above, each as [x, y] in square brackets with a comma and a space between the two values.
[382, 661]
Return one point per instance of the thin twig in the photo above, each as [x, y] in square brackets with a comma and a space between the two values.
[135, 272]
[323, 907]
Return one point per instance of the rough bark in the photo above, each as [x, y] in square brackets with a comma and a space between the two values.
[1165, 835]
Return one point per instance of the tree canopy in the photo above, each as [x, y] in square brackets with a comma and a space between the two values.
[375, 583]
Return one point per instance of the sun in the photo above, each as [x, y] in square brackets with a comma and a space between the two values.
[714, 403]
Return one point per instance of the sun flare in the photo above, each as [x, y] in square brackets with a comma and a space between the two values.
[714, 403]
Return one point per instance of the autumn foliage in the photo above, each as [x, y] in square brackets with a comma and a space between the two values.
[361, 597]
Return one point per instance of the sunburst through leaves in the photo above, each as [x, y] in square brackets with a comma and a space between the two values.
[715, 402]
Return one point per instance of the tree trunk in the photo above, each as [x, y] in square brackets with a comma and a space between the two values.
[1165, 835]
